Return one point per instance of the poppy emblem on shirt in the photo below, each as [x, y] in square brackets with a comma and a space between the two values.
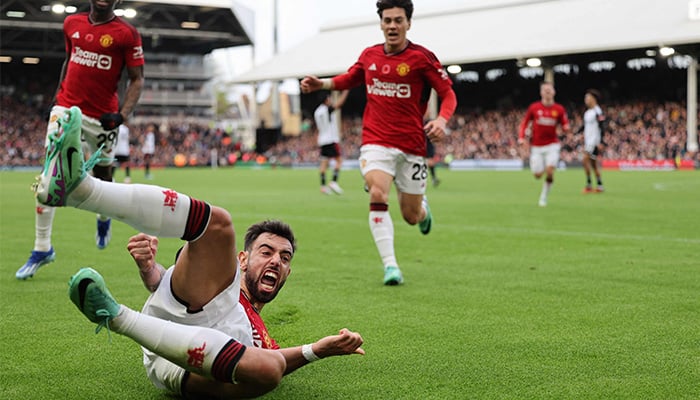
[106, 40]
[385, 69]
[403, 69]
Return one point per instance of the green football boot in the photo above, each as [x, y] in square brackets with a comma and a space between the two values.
[427, 223]
[87, 290]
[392, 276]
[64, 167]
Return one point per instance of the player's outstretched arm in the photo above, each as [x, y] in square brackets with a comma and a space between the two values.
[345, 342]
[313, 83]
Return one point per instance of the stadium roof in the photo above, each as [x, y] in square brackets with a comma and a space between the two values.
[30, 28]
[499, 30]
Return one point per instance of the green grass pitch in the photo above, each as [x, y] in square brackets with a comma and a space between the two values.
[593, 297]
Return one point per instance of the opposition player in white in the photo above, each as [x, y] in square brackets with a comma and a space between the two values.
[593, 131]
[326, 118]
[122, 152]
[148, 149]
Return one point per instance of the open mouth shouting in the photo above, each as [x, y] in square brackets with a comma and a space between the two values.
[268, 281]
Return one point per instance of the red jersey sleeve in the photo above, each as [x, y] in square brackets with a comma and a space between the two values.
[564, 120]
[526, 121]
[355, 76]
[440, 81]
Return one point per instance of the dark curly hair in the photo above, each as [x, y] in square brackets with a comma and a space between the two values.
[595, 93]
[274, 227]
[407, 5]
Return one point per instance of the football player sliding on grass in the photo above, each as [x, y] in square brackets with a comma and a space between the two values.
[261, 281]
[197, 337]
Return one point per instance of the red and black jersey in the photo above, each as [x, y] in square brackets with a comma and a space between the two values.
[97, 55]
[398, 89]
[261, 338]
[544, 123]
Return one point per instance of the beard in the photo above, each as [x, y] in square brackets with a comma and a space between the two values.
[258, 295]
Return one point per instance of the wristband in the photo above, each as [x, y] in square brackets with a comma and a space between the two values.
[308, 353]
[326, 84]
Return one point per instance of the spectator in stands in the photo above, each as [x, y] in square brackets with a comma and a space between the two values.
[397, 74]
[326, 117]
[644, 130]
[542, 119]
[94, 90]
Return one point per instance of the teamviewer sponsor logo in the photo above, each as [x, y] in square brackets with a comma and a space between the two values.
[389, 89]
[91, 59]
[546, 121]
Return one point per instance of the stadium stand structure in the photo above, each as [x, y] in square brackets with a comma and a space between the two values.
[32, 45]
[484, 31]
[578, 42]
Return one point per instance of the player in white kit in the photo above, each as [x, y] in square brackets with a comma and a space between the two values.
[122, 152]
[593, 131]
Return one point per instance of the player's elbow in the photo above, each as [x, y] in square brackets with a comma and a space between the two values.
[270, 372]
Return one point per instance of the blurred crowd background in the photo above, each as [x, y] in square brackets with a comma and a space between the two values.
[637, 130]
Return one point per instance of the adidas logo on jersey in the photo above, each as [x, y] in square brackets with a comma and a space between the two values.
[76, 35]
[372, 67]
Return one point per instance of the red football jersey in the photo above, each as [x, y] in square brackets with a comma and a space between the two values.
[98, 54]
[398, 90]
[544, 123]
[261, 338]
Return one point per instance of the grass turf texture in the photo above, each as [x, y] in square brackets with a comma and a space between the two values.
[592, 297]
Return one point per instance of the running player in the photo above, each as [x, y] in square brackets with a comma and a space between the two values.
[99, 46]
[541, 120]
[398, 75]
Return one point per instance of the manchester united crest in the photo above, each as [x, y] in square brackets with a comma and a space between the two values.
[106, 40]
[403, 69]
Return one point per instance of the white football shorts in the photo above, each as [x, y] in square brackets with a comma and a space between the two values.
[92, 137]
[224, 313]
[410, 172]
[544, 156]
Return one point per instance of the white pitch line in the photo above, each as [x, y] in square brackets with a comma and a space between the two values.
[666, 186]
[598, 235]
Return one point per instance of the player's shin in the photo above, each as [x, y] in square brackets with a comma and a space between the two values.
[204, 351]
[150, 209]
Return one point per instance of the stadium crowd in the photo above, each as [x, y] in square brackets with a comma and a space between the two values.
[637, 130]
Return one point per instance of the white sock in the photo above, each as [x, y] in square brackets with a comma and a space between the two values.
[193, 348]
[382, 229]
[150, 209]
[43, 223]
[546, 187]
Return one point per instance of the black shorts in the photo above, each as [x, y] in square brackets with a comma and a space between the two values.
[330, 150]
[121, 158]
[430, 152]
[594, 154]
